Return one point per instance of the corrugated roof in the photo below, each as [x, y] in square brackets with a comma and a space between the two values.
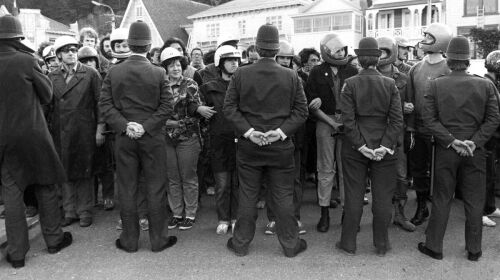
[170, 15]
[236, 6]
[401, 4]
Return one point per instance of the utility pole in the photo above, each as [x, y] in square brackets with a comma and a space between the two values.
[429, 12]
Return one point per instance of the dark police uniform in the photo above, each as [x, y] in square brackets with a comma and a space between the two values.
[464, 107]
[265, 96]
[371, 109]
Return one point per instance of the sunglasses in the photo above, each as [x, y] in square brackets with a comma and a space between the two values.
[69, 49]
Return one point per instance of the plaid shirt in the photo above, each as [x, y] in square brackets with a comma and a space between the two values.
[186, 102]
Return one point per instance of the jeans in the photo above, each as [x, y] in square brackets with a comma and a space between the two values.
[78, 198]
[326, 158]
[182, 158]
[226, 195]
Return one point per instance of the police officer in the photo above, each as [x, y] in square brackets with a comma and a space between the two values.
[373, 120]
[266, 104]
[27, 152]
[389, 50]
[461, 111]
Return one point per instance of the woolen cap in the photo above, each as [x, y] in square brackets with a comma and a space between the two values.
[458, 49]
[139, 34]
[368, 46]
[10, 27]
[268, 37]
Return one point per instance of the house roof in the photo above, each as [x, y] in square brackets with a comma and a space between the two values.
[401, 4]
[170, 15]
[3, 11]
[307, 8]
[236, 6]
[57, 27]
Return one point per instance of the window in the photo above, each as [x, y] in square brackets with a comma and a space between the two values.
[471, 6]
[358, 23]
[406, 18]
[386, 20]
[370, 22]
[303, 25]
[321, 24]
[213, 30]
[275, 20]
[138, 12]
[342, 21]
[242, 27]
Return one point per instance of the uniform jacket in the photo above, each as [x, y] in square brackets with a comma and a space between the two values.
[26, 146]
[265, 96]
[461, 106]
[371, 108]
[320, 84]
[136, 91]
[401, 80]
[73, 118]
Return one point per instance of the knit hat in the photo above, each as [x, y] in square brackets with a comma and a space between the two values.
[268, 37]
[139, 34]
[368, 46]
[10, 27]
[458, 49]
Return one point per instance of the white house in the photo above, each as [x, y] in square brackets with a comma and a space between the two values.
[241, 19]
[38, 28]
[406, 18]
[322, 17]
[465, 14]
[166, 18]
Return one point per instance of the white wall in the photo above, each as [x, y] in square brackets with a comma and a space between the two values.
[455, 18]
[228, 24]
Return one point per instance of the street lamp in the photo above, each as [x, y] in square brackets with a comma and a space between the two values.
[112, 13]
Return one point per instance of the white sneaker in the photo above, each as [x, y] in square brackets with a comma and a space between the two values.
[302, 230]
[488, 222]
[233, 226]
[495, 214]
[222, 229]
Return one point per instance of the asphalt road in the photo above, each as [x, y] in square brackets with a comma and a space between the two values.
[201, 254]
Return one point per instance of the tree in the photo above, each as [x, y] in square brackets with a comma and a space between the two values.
[486, 40]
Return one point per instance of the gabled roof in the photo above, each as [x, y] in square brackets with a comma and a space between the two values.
[4, 11]
[237, 6]
[401, 4]
[169, 15]
[349, 3]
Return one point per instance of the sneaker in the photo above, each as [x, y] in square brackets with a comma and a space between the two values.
[495, 214]
[187, 223]
[174, 222]
[271, 228]
[233, 226]
[487, 222]
[210, 191]
[302, 230]
[365, 200]
[119, 226]
[261, 204]
[222, 228]
[108, 204]
[144, 224]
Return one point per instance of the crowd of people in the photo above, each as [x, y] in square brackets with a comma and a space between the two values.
[162, 125]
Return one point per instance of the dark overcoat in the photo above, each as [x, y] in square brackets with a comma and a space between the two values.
[73, 118]
[26, 146]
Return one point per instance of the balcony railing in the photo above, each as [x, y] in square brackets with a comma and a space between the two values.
[410, 33]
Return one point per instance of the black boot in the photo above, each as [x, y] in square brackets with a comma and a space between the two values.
[422, 211]
[324, 221]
